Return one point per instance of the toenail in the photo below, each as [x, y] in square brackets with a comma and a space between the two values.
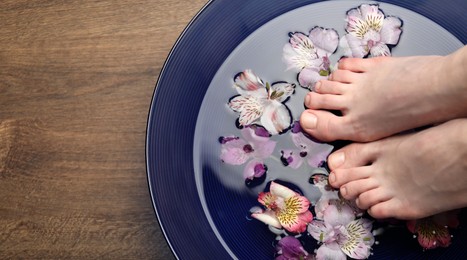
[336, 159]
[343, 191]
[307, 100]
[309, 121]
[318, 86]
[332, 177]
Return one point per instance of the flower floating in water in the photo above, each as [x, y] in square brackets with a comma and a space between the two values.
[262, 103]
[253, 147]
[433, 231]
[312, 151]
[290, 248]
[369, 31]
[337, 226]
[308, 55]
[284, 209]
[341, 234]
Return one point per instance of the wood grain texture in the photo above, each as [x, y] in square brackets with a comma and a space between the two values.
[76, 81]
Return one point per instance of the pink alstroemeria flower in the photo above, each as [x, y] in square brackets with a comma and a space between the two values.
[308, 55]
[262, 104]
[252, 148]
[341, 234]
[370, 32]
[433, 232]
[313, 151]
[284, 209]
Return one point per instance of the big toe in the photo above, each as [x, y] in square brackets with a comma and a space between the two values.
[324, 125]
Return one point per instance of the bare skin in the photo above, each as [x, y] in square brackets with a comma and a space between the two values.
[379, 97]
[406, 176]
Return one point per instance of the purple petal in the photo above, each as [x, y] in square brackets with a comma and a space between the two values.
[254, 169]
[309, 76]
[325, 39]
[232, 152]
[318, 153]
[276, 118]
[261, 131]
[391, 30]
[320, 231]
[296, 128]
[291, 158]
[291, 248]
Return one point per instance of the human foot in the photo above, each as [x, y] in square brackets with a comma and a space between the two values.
[379, 97]
[406, 176]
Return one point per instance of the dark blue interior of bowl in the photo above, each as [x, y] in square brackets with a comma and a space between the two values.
[201, 49]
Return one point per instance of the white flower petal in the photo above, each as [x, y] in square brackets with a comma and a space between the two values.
[330, 251]
[276, 117]
[281, 191]
[391, 30]
[357, 47]
[380, 49]
[357, 239]
[309, 76]
[248, 81]
[267, 217]
[250, 108]
[299, 53]
[325, 39]
[338, 214]
[282, 90]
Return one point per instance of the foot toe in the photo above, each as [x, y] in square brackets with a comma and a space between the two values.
[315, 100]
[331, 87]
[355, 64]
[353, 155]
[386, 209]
[340, 177]
[372, 197]
[324, 125]
[354, 189]
[344, 76]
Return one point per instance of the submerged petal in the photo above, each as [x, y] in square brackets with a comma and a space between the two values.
[291, 248]
[254, 169]
[232, 152]
[276, 117]
[291, 158]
